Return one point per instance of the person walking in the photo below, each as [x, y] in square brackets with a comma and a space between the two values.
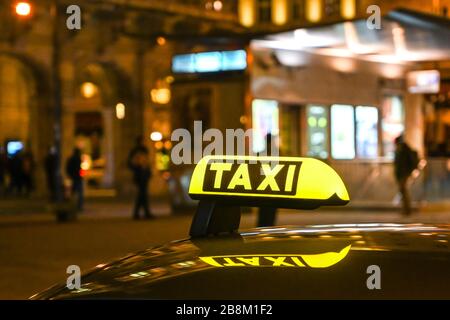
[73, 170]
[405, 162]
[139, 164]
[27, 172]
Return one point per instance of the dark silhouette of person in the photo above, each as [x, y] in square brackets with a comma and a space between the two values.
[405, 161]
[267, 215]
[139, 164]
[73, 170]
[16, 174]
[50, 164]
[3, 169]
[27, 171]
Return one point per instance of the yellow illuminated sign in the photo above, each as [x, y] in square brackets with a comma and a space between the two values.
[287, 181]
[320, 260]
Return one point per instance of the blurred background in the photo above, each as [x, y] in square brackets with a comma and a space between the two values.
[330, 79]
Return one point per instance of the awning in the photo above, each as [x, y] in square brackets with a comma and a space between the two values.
[405, 36]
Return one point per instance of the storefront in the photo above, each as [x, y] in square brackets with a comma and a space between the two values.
[340, 93]
[94, 121]
[208, 88]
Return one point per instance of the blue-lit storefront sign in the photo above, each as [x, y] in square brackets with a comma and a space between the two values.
[214, 61]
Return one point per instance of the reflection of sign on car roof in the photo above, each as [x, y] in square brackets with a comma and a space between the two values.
[320, 260]
[278, 181]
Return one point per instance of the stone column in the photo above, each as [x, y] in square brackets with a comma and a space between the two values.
[108, 145]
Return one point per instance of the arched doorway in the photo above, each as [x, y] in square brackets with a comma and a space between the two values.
[98, 125]
[15, 94]
[23, 102]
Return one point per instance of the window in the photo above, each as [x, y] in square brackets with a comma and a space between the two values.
[392, 124]
[317, 122]
[353, 131]
[366, 132]
[265, 121]
[342, 132]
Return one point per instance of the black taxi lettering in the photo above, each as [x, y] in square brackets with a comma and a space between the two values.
[280, 178]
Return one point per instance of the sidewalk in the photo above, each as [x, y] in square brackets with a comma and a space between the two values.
[35, 209]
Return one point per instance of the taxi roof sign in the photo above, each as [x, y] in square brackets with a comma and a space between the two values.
[284, 182]
[223, 183]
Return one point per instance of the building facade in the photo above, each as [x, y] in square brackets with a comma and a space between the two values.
[117, 79]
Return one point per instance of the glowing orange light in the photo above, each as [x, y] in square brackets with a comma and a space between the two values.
[161, 41]
[247, 12]
[158, 145]
[23, 9]
[168, 144]
[280, 12]
[313, 10]
[348, 9]
[217, 5]
[88, 89]
[160, 96]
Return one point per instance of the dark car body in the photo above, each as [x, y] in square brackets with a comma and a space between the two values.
[332, 261]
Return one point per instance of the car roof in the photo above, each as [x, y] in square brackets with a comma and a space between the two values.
[318, 261]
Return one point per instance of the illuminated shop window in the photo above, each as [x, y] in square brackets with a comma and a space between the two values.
[392, 123]
[265, 115]
[366, 132]
[317, 122]
[342, 132]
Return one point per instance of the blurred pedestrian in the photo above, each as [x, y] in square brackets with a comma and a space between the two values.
[73, 170]
[50, 163]
[139, 164]
[267, 215]
[3, 170]
[16, 174]
[27, 171]
[405, 162]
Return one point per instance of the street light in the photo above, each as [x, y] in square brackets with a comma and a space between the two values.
[23, 9]
[161, 41]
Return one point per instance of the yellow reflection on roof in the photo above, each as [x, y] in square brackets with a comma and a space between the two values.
[319, 260]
